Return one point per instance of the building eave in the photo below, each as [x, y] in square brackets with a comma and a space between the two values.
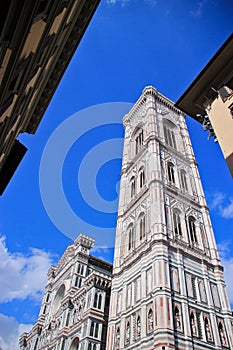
[216, 73]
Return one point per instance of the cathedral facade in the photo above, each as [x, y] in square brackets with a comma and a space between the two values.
[168, 289]
[75, 307]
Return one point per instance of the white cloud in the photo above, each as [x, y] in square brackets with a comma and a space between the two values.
[216, 199]
[227, 211]
[197, 12]
[123, 3]
[22, 276]
[224, 207]
[10, 331]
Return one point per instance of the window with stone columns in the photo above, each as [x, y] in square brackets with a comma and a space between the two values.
[192, 229]
[208, 331]
[80, 269]
[142, 226]
[177, 223]
[171, 173]
[183, 179]
[130, 238]
[141, 178]
[169, 133]
[138, 137]
[97, 300]
[132, 187]
[94, 329]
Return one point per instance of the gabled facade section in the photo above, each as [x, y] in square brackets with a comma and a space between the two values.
[75, 306]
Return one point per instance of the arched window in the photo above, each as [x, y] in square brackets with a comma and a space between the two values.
[130, 238]
[96, 330]
[74, 344]
[127, 332]
[138, 326]
[142, 227]
[222, 334]
[138, 141]
[100, 301]
[177, 318]
[58, 297]
[94, 347]
[171, 173]
[150, 321]
[192, 229]
[183, 180]
[169, 134]
[78, 282]
[132, 187]
[89, 346]
[177, 223]
[141, 178]
[92, 328]
[193, 324]
[95, 299]
[208, 332]
[117, 342]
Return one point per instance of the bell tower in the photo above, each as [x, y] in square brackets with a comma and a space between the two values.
[168, 289]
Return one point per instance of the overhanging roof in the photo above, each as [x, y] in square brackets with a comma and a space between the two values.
[217, 72]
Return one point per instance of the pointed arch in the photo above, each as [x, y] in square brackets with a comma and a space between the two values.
[142, 226]
[127, 332]
[132, 187]
[183, 179]
[138, 138]
[100, 301]
[169, 130]
[176, 215]
[171, 173]
[95, 299]
[75, 344]
[222, 333]
[208, 332]
[141, 177]
[130, 237]
[177, 317]
[150, 320]
[192, 229]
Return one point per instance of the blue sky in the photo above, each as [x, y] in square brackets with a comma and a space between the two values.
[127, 46]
